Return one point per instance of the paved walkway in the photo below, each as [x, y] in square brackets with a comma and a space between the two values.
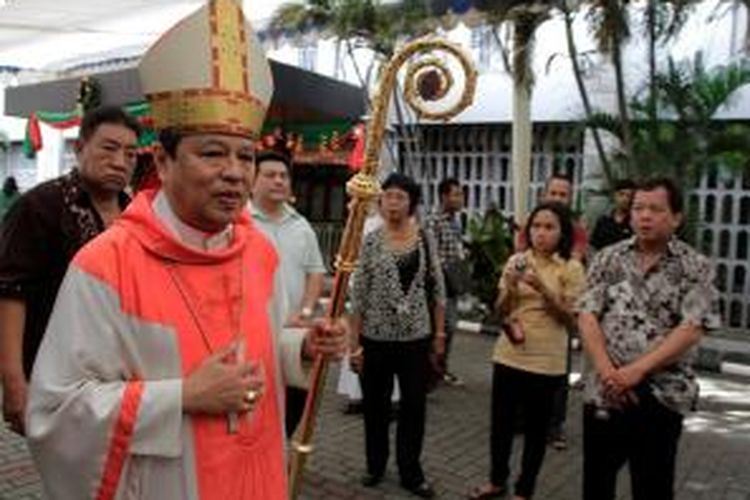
[714, 459]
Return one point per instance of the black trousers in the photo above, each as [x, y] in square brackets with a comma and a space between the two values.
[560, 400]
[295, 406]
[644, 435]
[409, 361]
[532, 394]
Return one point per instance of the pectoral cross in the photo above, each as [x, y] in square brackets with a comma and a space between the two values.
[233, 418]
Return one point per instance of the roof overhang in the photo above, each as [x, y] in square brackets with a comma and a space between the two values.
[299, 96]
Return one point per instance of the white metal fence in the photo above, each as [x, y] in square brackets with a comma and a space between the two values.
[479, 156]
[723, 202]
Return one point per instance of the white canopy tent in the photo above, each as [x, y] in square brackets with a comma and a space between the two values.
[46, 36]
[35, 34]
[39, 38]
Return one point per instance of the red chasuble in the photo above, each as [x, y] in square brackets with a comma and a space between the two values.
[138, 311]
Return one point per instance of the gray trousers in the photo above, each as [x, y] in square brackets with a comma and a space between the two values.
[451, 322]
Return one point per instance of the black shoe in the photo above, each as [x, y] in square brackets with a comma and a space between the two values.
[353, 408]
[422, 490]
[371, 480]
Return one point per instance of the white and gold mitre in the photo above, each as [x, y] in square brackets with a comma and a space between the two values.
[208, 73]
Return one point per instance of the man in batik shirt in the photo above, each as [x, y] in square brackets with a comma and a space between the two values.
[647, 303]
[42, 233]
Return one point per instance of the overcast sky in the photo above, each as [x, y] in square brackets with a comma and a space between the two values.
[137, 27]
[141, 28]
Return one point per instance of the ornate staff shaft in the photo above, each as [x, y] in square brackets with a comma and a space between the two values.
[364, 187]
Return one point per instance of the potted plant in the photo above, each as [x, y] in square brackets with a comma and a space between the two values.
[490, 243]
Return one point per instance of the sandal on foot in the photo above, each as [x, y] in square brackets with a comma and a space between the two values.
[487, 491]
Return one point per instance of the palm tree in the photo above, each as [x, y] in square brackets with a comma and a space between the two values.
[524, 17]
[610, 23]
[525, 21]
[662, 20]
[583, 92]
[611, 29]
[689, 141]
[370, 24]
[296, 18]
[346, 20]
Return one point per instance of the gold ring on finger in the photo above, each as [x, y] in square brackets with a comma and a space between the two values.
[251, 395]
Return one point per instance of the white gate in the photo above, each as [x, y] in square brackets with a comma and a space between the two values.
[479, 156]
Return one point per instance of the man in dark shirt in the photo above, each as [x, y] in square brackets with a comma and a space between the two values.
[615, 226]
[43, 231]
[446, 228]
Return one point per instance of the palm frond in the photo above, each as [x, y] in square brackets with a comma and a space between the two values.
[669, 17]
[299, 18]
[714, 89]
[526, 20]
[607, 122]
[608, 23]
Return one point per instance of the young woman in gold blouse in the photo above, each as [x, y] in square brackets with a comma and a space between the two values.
[537, 292]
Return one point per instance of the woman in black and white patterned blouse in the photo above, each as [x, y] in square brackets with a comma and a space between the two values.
[397, 294]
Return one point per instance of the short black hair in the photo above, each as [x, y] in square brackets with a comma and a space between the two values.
[170, 138]
[565, 217]
[271, 155]
[406, 184]
[112, 115]
[674, 192]
[446, 185]
[557, 176]
[621, 184]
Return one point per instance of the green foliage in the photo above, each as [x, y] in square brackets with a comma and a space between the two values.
[376, 24]
[89, 94]
[685, 140]
[299, 18]
[490, 244]
[608, 21]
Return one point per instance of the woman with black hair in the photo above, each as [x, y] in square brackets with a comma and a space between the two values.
[396, 289]
[537, 291]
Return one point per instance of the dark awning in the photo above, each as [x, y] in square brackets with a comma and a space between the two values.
[300, 96]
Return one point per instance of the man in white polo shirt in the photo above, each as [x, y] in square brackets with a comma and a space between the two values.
[301, 263]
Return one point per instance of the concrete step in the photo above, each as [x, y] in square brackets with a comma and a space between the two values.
[729, 355]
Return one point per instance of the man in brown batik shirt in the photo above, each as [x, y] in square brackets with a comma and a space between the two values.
[42, 233]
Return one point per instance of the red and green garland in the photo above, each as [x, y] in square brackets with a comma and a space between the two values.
[62, 121]
[330, 143]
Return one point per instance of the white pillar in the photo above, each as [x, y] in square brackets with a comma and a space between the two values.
[521, 151]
